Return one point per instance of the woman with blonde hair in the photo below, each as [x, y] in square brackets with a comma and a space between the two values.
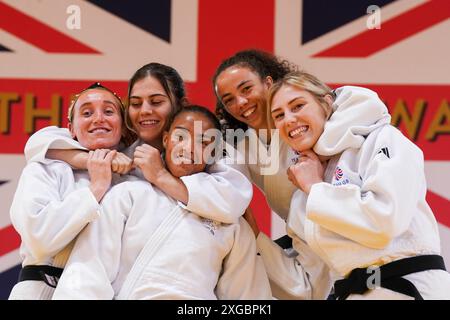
[241, 85]
[360, 204]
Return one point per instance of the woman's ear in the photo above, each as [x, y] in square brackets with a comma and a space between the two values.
[71, 129]
[328, 105]
[268, 82]
[165, 139]
[329, 100]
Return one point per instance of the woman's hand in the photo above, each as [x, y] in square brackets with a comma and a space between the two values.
[148, 159]
[121, 164]
[99, 169]
[306, 172]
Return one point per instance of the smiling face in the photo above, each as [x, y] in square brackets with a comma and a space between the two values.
[243, 94]
[149, 110]
[299, 116]
[97, 120]
[184, 146]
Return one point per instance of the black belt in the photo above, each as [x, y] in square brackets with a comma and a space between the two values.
[390, 276]
[284, 242]
[50, 275]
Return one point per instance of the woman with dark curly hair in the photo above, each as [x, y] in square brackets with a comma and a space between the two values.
[261, 69]
[241, 84]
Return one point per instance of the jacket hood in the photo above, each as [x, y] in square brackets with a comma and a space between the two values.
[357, 112]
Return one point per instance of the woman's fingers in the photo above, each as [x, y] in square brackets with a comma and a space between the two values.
[108, 156]
[310, 154]
[121, 163]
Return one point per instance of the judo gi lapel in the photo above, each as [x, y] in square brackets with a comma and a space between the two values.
[150, 249]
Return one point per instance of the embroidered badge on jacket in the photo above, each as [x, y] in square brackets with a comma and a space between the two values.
[339, 178]
[338, 174]
[211, 225]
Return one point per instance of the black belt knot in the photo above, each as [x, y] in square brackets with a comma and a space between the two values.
[49, 274]
[356, 282]
[390, 276]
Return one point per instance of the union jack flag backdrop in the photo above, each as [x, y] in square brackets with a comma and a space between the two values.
[43, 61]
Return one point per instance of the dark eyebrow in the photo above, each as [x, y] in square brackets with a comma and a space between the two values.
[238, 86]
[150, 96]
[157, 95]
[242, 83]
[182, 128]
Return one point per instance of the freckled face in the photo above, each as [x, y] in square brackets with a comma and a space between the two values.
[97, 121]
[299, 117]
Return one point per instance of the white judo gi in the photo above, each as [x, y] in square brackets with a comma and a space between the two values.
[52, 204]
[228, 191]
[305, 276]
[222, 182]
[146, 246]
[371, 209]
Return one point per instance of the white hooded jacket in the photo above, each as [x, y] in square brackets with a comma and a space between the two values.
[371, 208]
[307, 276]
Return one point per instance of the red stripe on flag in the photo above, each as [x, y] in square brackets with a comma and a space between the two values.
[391, 32]
[261, 211]
[9, 240]
[218, 40]
[39, 34]
[440, 207]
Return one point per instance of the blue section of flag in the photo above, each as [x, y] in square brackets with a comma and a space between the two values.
[8, 279]
[323, 16]
[151, 16]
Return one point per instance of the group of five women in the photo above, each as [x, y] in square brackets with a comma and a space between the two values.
[127, 204]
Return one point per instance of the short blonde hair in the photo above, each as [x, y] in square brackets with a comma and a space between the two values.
[303, 81]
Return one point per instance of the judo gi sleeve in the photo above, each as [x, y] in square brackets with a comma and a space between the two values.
[94, 262]
[243, 276]
[49, 138]
[46, 218]
[222, 194]
[381, 208]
